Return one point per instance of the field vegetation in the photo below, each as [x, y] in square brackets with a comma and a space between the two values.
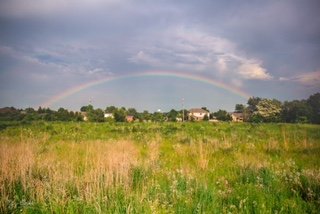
[76, 167]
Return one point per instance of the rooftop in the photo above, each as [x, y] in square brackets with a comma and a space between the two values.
[198, 110]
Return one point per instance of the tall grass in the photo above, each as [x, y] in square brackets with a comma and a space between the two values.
[159, 168]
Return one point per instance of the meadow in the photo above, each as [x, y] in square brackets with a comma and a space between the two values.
[159, 168]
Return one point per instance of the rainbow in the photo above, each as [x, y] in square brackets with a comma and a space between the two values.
[175, 74]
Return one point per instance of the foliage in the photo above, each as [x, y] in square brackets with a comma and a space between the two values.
[314, 103]
[252, 103]
[86, 108]
[172, 115]
[95, 115]
[205, 108]
[183, 114]
[132, 112]
[158, 117]
[10, 114]
[294, 111]
[222, 115]
[145, 116]
[258, 110]
[268, 110]
[62, 114]
[240, 108]
[110, 109]
[46, 114]
[119, 115]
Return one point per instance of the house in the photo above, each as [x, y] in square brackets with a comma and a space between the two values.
[237, 116]
[84, 116]
[214, 119]
[198, 114]
[129, 118]
[108, 115]
[179, 119]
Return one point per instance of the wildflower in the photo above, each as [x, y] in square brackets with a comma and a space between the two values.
[254, 203]
[242, 203]
[232, 206]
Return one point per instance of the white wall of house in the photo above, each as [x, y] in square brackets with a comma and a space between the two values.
[201, 115]
[237, 118]
[108, 115]
[198, 115]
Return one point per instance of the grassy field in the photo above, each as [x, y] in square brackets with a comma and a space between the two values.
[159, 168]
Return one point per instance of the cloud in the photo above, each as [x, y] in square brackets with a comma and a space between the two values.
[22, 8]
[253, 70]
[222, 64]
[144, 58]
[65, 42]
[307, 79]
[194, 50]
[63, 63]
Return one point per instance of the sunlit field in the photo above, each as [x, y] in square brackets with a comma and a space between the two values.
[159, 168]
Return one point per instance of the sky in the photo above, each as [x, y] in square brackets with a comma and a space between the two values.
[58, 53]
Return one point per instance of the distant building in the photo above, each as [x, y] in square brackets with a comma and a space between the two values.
[129, 118]
[237, 116]
[198, 114]
[108, 115]
[214, 119]
[84, 116]
[179, 119]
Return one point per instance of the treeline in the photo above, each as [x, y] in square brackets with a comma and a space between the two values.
[46, 114]
[89, 113]
[112, 113]
[256, 110]
[272, 110]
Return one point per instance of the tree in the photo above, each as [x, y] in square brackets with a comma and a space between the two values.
[205, 108]
[86, 108]
[78, 116]
[119, 115]
[29, 110]
[296, 111]
[145, 115]
[247, 114]
[30, 115]
[50, 116]
[253, 102]
[96, 115]
[267, 110]
[185, 114]
[63, 115]
[206, 117]
[240, 108]
[222, 115]
[110, 109]
[172, 115]
[158, 117]
[133, 112]
[41, 110]
[314, 102]
[10, 114]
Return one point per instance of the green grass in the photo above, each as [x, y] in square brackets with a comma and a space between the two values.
[159, 168]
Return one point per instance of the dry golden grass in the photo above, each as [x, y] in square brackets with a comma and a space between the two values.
[16, 161]
[203, 156]
[251, 160]
[153, 153]
[57, 169]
